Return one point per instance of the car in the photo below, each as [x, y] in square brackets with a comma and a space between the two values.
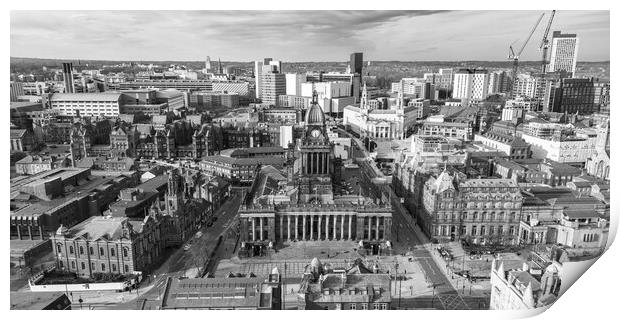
[187, 246]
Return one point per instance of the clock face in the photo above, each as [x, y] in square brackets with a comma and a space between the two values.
[315, 133]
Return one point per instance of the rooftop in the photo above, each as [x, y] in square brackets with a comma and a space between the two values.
[98, 96]
[215, 292]
[34, 300]
[97, 227]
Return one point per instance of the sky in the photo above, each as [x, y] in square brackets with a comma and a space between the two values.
[298, 36]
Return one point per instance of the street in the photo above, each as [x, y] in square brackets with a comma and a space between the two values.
[181, 263]
[410, 236]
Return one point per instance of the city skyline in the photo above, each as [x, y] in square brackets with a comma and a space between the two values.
[297, 36]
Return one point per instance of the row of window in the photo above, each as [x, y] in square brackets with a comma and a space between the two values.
[93, 266]
[364, 306]
[92, 250]
[474, 216]
[444, 231]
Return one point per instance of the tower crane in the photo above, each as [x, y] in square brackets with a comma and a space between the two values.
[515, 56]
[544, 45]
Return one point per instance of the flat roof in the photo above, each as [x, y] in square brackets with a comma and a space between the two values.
[33, 300]
[97, 96]
[214, 292]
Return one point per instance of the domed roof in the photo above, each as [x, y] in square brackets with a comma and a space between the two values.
[315, 115]
[315, 263]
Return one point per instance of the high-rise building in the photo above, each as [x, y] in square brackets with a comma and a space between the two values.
[572, 95]
[564, 49]
[260, 67]
[67, 73]
[498, 82]
[208, 64]
[17, 89]
[273, 85]
[470, 84]
[293, 83]
[357, 62]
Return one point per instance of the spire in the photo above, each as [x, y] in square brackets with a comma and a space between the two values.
[219, 68]
[364, 102]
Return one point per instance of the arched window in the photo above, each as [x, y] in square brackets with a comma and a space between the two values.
[125, 252]
[103, 267]
[112, 252]
[81, 251]
[101, 251]
[59, 247]
[92, 250]
[71, 249]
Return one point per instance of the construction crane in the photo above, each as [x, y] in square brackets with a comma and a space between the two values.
[544, 45]
[515, 56]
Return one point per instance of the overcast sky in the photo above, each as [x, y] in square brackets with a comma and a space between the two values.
[297, 35]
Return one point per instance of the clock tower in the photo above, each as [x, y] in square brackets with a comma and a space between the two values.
[315, 157]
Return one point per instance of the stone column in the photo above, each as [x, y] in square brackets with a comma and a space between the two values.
[350, 218]
[30, 232]
[281, 229]
[377, 231]
[342, 227]
[369, 228]
[320, 227]
[288, 227]
[335, 224]
[296, 227]
[327, 227]
[261, 228]
[19, 231]
[303, 236]
[311, 227]
[253, 229]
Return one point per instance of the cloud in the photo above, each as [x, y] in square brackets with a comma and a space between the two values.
[286, 35]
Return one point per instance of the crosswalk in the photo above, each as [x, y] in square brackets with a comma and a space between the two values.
[452, 302]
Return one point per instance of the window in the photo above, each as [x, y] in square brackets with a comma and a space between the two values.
[62, 266]
[125, 254]
[83, 265]
[113, 267]
[59, 248]
[383, 306]
[482, 230]
[126, 268]
[92, 250]
[71, 249]
[500, 230]
[352, 306]
[93, 266]
[376, 306]
[72, 264]
[473, 230]
[511, 231]
[101, 251]
[103, 267]
[364, 306]
[81, 250]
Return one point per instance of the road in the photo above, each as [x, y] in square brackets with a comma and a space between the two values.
[409, 236]
[181, 262]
